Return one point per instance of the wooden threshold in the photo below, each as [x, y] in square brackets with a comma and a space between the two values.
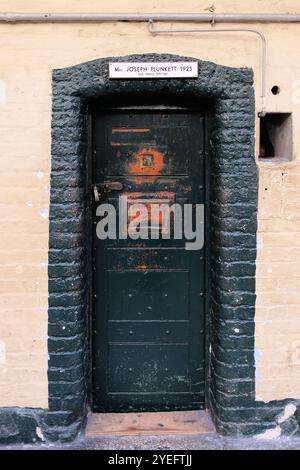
[154, 423]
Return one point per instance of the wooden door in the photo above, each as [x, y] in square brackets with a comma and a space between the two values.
[148, 326]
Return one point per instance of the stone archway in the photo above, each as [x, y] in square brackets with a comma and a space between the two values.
[233, 182]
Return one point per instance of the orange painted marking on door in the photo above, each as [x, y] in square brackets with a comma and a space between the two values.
[125, 129]
[137, 167]
[156, 220]
[143, 267]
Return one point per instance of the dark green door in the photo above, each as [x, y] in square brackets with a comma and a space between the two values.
[148, 325]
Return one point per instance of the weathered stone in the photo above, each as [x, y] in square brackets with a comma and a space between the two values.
[20, 425]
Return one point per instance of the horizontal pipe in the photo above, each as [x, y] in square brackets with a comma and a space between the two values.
[6, 17]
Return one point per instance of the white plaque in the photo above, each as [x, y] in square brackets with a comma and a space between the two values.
[153, 69]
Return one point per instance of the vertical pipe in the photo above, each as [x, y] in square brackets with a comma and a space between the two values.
[262, 112]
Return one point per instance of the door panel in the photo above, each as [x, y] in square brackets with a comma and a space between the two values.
[148, 295]
[150, 367]
[148, 325]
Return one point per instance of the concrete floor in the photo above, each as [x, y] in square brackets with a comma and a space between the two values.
[166, 442]
[186, 430]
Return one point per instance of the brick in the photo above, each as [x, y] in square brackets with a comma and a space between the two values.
[68, 314]
[59, 359]
[66, 344]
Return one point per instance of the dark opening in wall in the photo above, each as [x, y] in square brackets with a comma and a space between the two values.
[275, 90]
[276, 136]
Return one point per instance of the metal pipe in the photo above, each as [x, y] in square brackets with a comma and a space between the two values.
[8, 17]
[262, 37]
[212, 17]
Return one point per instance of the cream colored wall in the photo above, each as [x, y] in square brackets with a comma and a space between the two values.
[28, 53]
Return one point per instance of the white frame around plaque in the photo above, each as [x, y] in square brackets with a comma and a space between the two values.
[128, 70]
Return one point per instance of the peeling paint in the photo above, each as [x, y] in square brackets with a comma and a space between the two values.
[39, 433]
[148, 161]
[288, 412]
[267, 322]
[258, 375]
[2, 92]
[259, 243]
[277, 431]
[44, 213]
[270, 434]
[39, 174]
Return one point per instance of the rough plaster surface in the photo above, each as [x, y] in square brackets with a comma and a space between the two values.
[30, 53]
